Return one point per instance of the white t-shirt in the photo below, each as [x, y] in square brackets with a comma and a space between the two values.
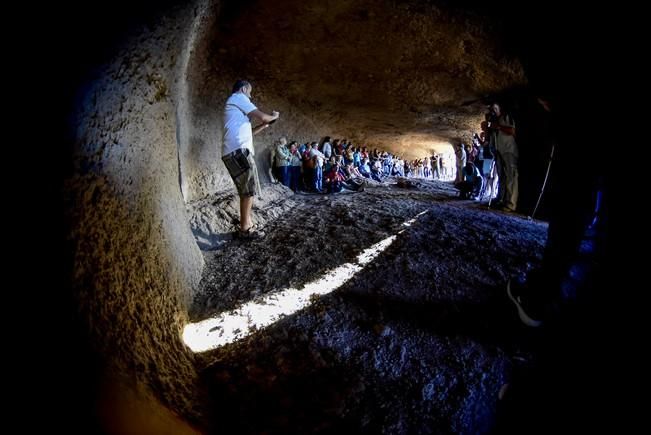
[319, 155]
[238, 132]
[327, 150]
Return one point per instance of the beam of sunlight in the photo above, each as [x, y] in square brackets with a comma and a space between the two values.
[411, 221]
[236, 324]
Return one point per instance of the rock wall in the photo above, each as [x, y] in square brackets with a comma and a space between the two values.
[135, 258]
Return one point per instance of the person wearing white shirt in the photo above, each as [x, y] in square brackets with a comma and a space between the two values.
[237, 149]
[318, 169]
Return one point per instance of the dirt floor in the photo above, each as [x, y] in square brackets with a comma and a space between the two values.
[422, 340]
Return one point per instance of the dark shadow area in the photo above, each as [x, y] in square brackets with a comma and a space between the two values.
[571, 386]
[299, 390]
[493, 323]
[301, 377]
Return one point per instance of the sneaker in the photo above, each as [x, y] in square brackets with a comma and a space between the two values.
[529, 314]
[253, 232]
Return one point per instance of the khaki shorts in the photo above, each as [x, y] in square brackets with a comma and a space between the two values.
[241, 167]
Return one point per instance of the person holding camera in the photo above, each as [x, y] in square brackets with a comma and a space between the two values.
[502, 132]
[237, 149]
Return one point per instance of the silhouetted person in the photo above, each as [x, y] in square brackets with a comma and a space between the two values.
[567, 386]
[502, 129]
[575, 231]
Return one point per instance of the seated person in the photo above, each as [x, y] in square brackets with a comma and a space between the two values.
[376, 170]
[352, 171]
[471, 182]
[336, 180]
[365, 169]
[333, 179]
[330, 163]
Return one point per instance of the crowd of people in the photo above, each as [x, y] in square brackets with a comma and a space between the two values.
[329, 166]
[488, 168]
[485, 169]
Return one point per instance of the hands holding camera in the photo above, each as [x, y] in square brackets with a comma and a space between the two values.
[274, 117]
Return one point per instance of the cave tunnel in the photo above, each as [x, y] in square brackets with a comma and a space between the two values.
[397, 319]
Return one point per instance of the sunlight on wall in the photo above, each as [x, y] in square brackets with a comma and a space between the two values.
[257, 314]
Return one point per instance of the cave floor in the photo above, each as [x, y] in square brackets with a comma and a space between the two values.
[421, 340]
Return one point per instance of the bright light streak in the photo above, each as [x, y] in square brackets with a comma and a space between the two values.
[254, 315]
[411, 221]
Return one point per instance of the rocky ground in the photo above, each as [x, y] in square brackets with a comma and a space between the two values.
[422, 340]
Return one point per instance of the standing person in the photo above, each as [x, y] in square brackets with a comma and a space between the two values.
[576, 231]
[237, 150]
[462, 159]
[326, 147]
[502, 129]
[570, 291]
[477, 150]
[273, 175]
[318, 158]
[282, 161]
[295, 167]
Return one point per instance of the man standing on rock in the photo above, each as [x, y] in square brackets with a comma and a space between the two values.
[237, 151]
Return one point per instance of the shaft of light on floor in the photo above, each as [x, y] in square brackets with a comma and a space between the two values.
[259, 313]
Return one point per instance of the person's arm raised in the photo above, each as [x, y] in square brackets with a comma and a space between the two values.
[264, 118]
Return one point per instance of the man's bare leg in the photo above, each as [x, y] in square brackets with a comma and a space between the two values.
[246, 203]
